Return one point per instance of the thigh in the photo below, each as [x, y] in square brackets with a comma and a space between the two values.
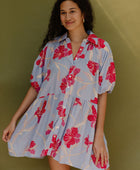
[55, 165]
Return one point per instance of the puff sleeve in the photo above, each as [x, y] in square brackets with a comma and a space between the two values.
[40, 68]
[107, 73]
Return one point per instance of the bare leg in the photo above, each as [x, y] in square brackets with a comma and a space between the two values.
[108, 169]
[55, 165]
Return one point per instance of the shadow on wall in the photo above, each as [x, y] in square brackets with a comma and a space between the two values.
[122, 117]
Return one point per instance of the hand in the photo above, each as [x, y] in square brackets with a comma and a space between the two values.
[8, 131]
[99, 150]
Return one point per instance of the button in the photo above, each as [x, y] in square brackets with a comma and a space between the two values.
[68, 86]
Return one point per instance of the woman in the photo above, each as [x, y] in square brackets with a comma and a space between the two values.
[65, 105]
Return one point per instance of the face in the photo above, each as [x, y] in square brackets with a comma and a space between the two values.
[70, 15]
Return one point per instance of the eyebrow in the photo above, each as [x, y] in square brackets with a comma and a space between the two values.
[70, 9]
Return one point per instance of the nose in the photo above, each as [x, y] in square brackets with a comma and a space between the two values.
[67, 16]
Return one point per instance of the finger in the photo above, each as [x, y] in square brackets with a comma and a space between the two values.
[102, 159]
[97, 158]
[4, 136]
[106, 158]
[9, 136]
[95, 151]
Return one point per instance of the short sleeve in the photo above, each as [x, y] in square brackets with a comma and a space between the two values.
[107, 73]
[40, 68]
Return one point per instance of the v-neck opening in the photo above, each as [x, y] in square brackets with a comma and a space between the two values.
[80, 50]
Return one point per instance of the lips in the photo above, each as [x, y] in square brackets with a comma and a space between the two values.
[69, 23]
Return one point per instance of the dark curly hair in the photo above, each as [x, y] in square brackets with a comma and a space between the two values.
[56, 29]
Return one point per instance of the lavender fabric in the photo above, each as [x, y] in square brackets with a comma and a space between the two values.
[61, 121]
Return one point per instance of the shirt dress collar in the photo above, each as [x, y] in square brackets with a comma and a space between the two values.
[91, 37]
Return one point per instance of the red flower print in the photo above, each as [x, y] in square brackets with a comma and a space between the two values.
[31, 77]
[87, 142]
[31, 147]
[100, 43]
[35, 85]
[90, 46]
[93, 116]
[44, 152]
[91, 38]
[93, 66]
[48, 75]
[63, 85]
[78, 55]
[61, 52]
[55, 145]
[111, 75]
[39, 112]
[61, 110]
[95, 101]
[77, 101]
[71, 137]
[42, 54]
[100, 80]
[69, 79]
[99, 165]
[50, 126]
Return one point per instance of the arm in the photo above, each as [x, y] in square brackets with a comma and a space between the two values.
[29, 98]
[27, 101]
[99, 145]
[102, 101]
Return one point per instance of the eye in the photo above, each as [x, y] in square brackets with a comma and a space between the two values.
[62, 13]
[72, 11]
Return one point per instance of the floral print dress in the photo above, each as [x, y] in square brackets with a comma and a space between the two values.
[61, 121]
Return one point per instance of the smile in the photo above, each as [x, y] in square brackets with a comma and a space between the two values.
[68, 23]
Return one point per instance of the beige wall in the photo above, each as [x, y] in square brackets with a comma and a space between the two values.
[23, 27]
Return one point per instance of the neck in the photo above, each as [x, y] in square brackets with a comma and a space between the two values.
[77, 35]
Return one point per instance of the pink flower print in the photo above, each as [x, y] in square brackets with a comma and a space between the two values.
[44, 152]
[95, 101]
[71, 137]
[71, 69]
[93, 66]
[48, 75]
[111, 75]
[78, 55]
[91, 38]
[93, 116]
[63, 85]
[69, 45]
[69, 79]
[99, 164]
[50, 128]
[77, 101]
[100, 80]
[54, 145]
[31, 147]
[31, 77]
[90, 45]
[61, 110]
[87, 142]
[42, 54]
[35, 85]
[60, 52]
[76, 71]
[100, 43]
[39, 112]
